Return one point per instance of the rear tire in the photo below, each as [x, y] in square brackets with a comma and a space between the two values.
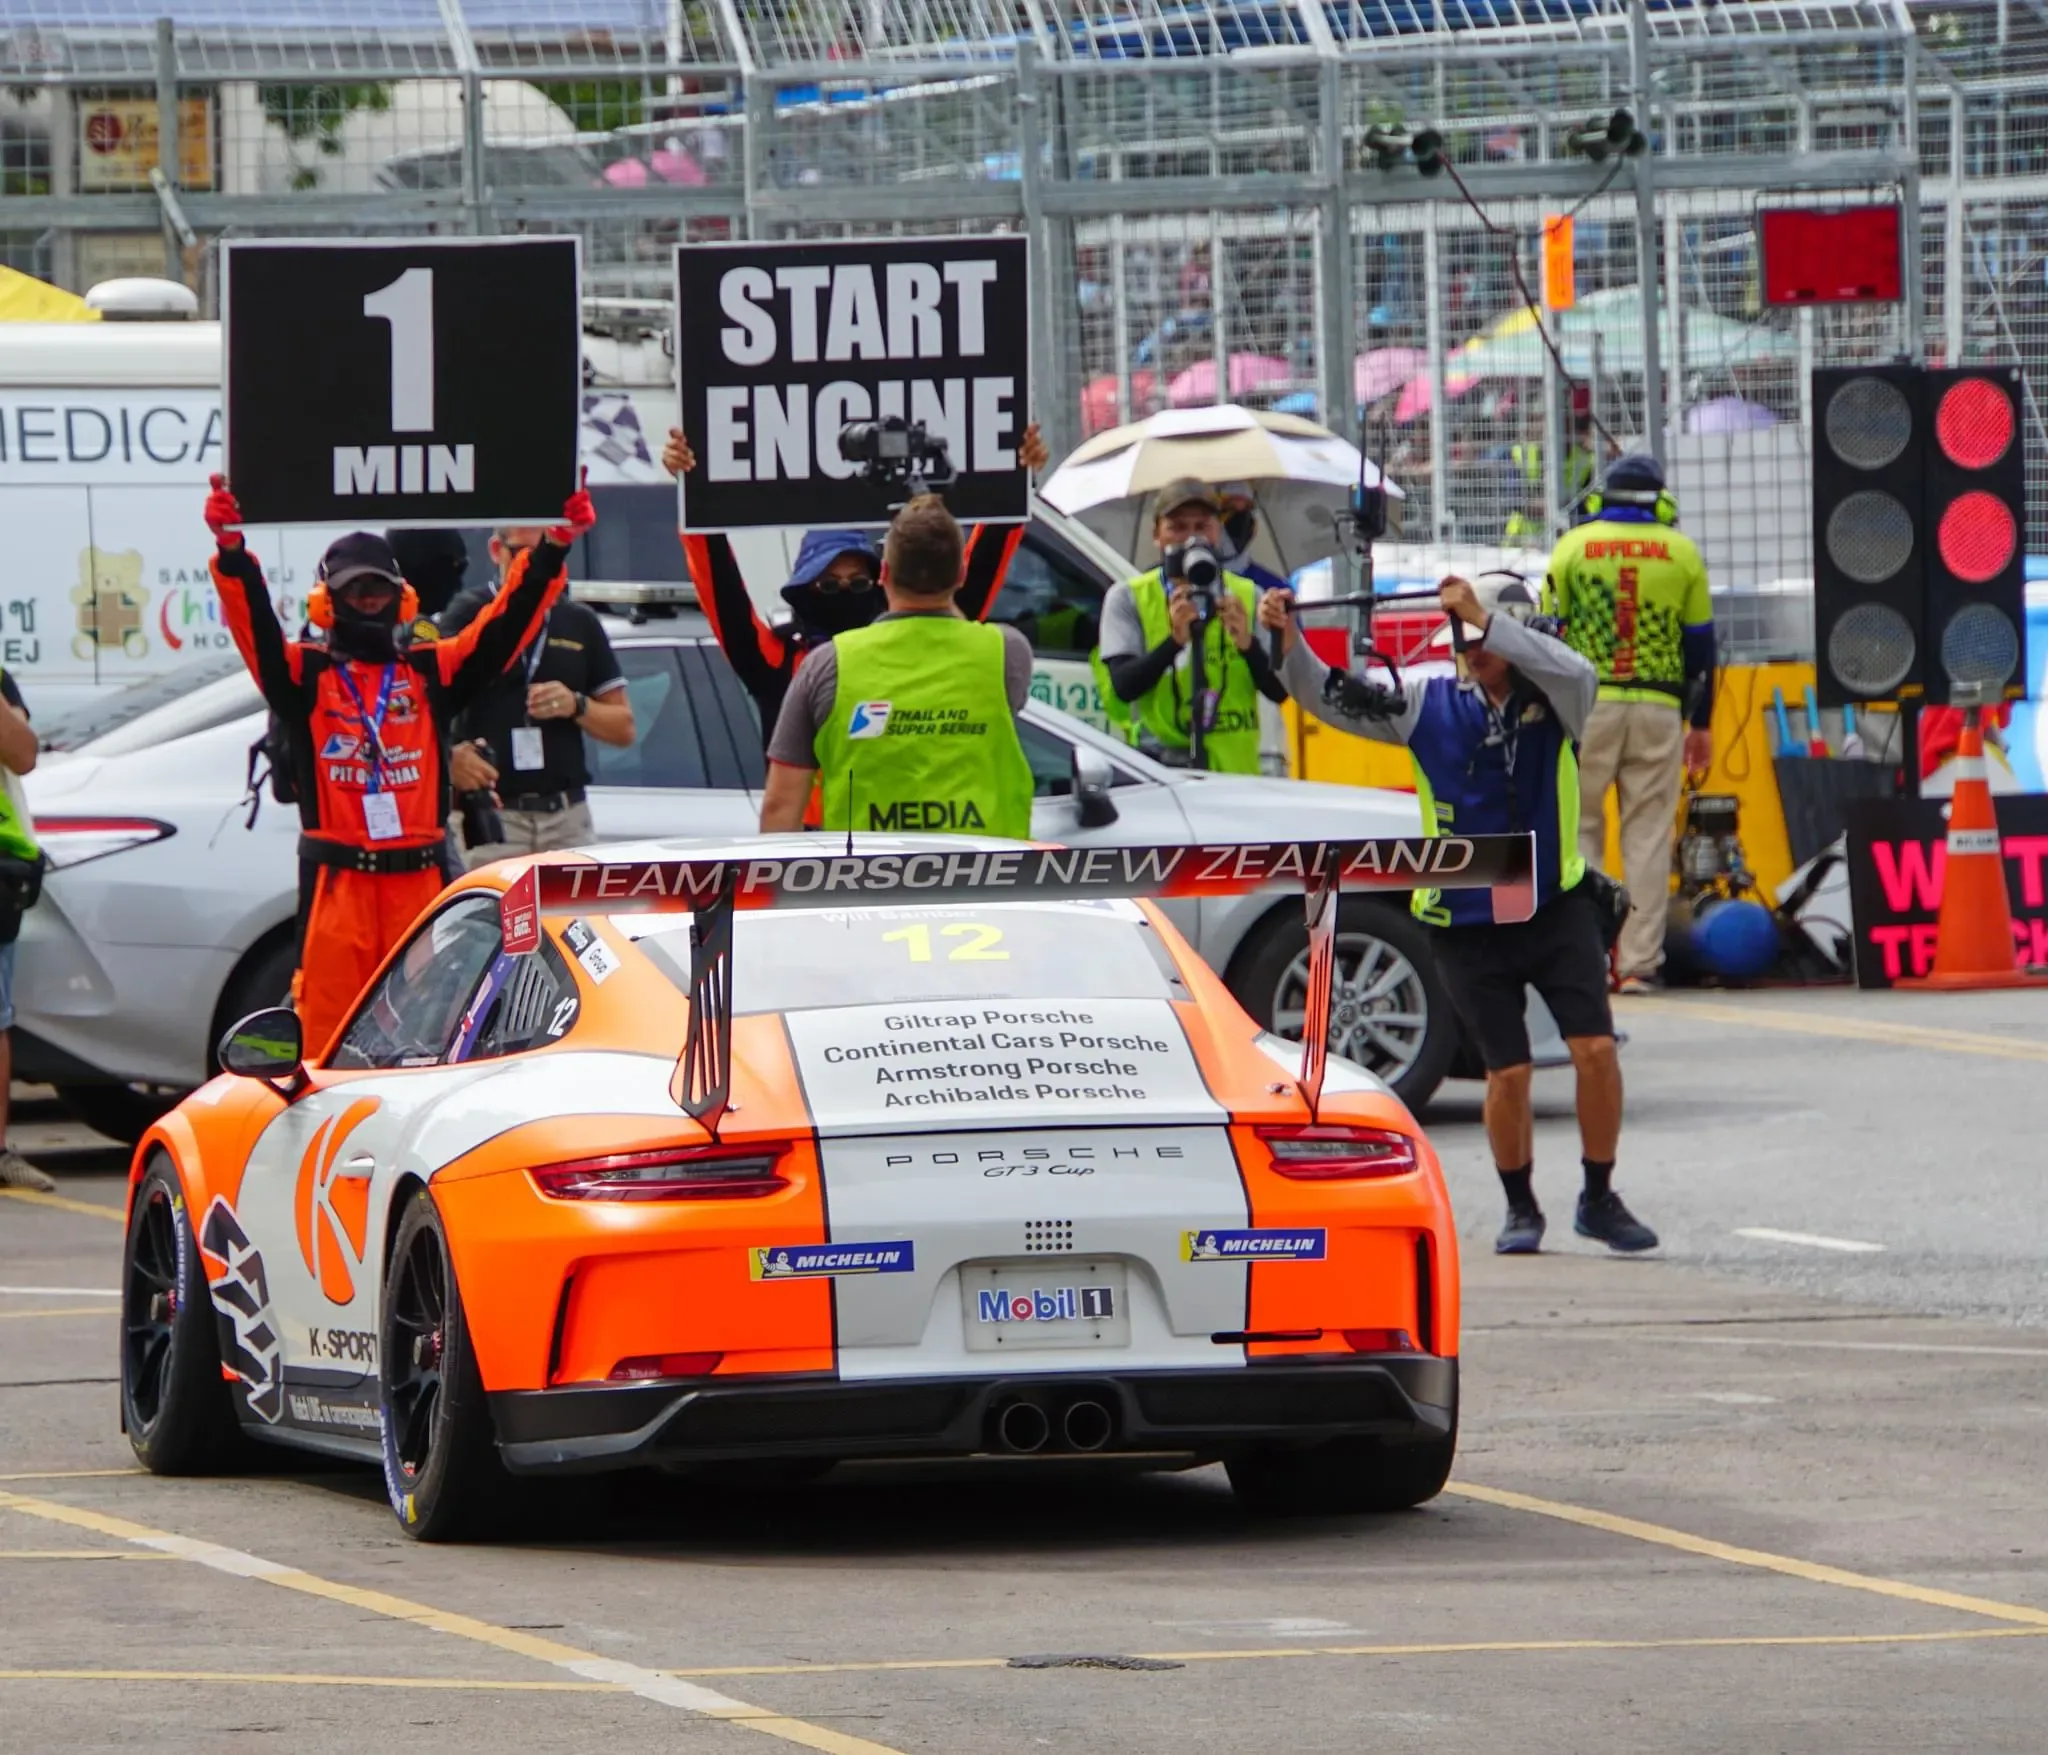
[442, 1471]
[1343, 1475]
[1391, 950]
[178, 1410]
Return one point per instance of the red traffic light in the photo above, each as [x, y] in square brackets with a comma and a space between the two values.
[1977, 535]
[1974, 424]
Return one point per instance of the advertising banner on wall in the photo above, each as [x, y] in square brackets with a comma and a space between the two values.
[1898, 862]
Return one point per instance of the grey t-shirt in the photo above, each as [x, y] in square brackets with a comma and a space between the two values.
[1122, 628]
[808, 705]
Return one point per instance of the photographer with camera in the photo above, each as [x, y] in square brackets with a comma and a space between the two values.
[911, 722]
[1495, 753]
[1179, 669]
[830, 591]
[518, 767]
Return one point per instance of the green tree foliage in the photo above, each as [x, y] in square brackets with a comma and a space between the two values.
[313, 115]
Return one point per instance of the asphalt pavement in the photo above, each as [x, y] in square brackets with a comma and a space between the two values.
[1761, 1491]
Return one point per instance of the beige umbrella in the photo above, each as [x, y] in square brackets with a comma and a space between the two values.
[1300, 475]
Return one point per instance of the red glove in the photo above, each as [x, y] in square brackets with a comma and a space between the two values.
[578, 515]
[223, 515]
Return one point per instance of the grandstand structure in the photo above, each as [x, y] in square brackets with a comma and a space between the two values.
[1206, 183]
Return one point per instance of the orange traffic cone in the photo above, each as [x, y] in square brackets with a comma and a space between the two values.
[1973, 946]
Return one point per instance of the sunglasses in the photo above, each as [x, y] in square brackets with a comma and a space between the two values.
[856, 582]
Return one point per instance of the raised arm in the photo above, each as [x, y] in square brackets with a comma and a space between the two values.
[484, 648]
[757, 653]
[990, 546]
[245, 606]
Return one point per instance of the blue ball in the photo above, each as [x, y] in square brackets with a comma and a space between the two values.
[1735, 939]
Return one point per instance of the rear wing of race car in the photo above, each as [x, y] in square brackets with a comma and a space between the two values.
[710, 891]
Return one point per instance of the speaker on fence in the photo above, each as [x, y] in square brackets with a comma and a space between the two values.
[1975, 513]
[1869, 458]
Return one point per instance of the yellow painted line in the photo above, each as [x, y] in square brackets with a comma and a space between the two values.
[1850, 1029]
[294, 1679]
[64, 1205]
[72, 1475]
[1459, 1648]
[588, 1666]
[72, 1310]
[79, 1554]
[1809, 1570]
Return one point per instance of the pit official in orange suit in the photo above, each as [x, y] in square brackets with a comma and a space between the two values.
[366, 709]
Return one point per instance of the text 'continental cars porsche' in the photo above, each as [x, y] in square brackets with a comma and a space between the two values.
[763, 1154]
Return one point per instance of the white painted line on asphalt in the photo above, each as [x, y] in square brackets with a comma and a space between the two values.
[1843, 1346]
[1807, 1240]
[58, 1292]
[1734, 1398]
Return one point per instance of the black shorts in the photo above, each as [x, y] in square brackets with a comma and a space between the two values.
[1557, 951]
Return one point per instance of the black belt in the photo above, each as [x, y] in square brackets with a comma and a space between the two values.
[544, 804]
[376, 861]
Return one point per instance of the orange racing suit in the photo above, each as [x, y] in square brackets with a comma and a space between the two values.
[365, 732]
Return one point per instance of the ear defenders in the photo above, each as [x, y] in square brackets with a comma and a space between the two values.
[320, 605]
[1663, 507]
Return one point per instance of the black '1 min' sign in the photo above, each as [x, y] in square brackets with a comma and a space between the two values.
[419, 382]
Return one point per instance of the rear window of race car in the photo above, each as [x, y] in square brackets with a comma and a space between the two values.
[889, 956]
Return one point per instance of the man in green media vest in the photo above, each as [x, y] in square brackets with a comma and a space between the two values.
[18, 751]
[911, 721]
[1145, 667]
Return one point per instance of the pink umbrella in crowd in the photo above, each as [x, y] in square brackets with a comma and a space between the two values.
[1250, 373]
[1384, 370]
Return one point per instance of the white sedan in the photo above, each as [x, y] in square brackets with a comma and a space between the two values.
[170, 910]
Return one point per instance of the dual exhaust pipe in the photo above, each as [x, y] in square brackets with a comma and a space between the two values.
[1024, 1428]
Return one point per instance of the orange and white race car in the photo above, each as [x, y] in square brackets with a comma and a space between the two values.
[768, 1155]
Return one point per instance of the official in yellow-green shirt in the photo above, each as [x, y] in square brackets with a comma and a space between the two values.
[1631, 591]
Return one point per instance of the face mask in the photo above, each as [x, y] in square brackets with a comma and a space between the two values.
[369, 639]
[835, 612]
[1238, 530]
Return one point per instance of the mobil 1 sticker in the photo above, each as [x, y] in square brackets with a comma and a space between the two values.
[989, 1062]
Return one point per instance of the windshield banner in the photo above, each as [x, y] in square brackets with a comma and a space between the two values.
[1504, 864]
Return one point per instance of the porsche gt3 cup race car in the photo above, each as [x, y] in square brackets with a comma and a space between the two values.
[761, 1154]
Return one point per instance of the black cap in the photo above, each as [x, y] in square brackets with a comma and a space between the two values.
[360, 553]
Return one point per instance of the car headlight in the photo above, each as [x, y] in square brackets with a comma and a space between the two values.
[68, 841]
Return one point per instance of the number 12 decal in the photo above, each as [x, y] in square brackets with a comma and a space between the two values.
[407, 304]
[979, 946]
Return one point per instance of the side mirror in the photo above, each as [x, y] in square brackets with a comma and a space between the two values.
[1092, 778]
[267, 1045]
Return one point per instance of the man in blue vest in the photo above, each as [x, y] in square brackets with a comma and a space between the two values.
[1494, 753]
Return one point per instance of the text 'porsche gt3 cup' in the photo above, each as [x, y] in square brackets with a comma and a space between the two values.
[821, 376]
[417, 382]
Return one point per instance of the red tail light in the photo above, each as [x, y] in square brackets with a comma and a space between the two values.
[653, 1365]
[70, 841]
[670, 1173]
[1331, 1152]
[1378, 1340]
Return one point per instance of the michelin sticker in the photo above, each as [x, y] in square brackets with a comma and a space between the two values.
[1254, 1245]
[598, 958]
[986, 1062]
[816, 1261]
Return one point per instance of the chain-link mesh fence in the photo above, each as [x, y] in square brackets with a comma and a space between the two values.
[1218, 189]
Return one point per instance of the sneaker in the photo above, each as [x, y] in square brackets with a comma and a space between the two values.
[1521, 1235]
[17, 1172]
[1604, 1219]
[1640, 984]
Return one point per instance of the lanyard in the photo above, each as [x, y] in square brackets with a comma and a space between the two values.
[539, 645]
[373, 724]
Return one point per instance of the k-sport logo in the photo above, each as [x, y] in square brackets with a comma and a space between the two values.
[812, 1261]
[870, 719]
[1060, 1304]
[331, 1204]
[1254, 1245]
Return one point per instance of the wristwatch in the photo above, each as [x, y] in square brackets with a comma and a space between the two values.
[582, 707]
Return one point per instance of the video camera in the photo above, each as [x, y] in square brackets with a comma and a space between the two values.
[1196, 563]
[902, 452]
